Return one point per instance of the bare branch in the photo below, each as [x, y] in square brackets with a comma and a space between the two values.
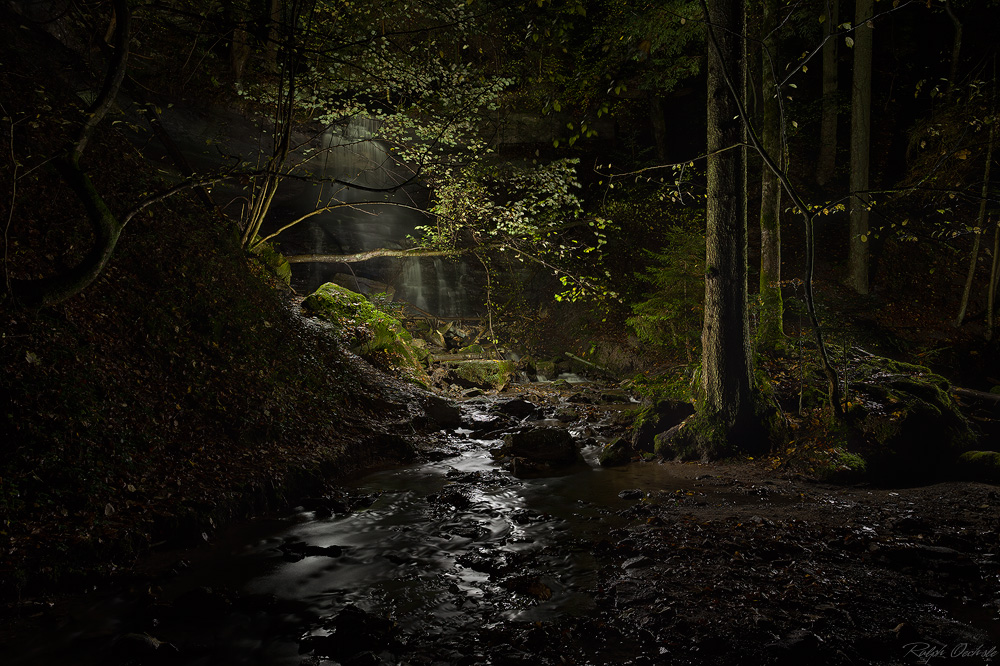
[372, 254]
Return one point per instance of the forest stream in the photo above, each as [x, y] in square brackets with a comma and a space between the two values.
[454, 560]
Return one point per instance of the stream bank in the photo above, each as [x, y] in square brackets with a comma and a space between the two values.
[458, 559]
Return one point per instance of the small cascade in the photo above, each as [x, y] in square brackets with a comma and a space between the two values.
[412, 283]
[438, 286]
[352, 155]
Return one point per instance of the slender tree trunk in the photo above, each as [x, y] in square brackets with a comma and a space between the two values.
[956, 46]
[264, 187]
[994, 275]
[274, 22]
[659, 125]
[827, 161]
[857, 262]
[727, 378]
[770, 330]
[974, 258]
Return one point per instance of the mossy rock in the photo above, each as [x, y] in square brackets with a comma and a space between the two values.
[615, 453]
[843, 467]
[274, 261]
[979, 466]
[710, 436]
[904, 422]
[546, 369]
[657, 416]
[374, 335]
[484, 374]
[472, 349]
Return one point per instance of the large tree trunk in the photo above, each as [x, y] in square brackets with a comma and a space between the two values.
[770, 330]
[827, 161]
[861, 95]
[727, 378]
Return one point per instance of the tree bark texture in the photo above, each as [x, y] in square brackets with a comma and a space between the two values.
[727, 382]
[861, 95]
[365, 255]
[956, 46]
[771, 307]
[659, 123]
[826, 163]
[980, 226]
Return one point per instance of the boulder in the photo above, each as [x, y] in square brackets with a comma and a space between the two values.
[616, 452]
[441, 412]
[904, 422]
[545, 370]
[518, 408]
[543, 444]
[364, 285]
[979, 466]
[372, 334]
[657, 417]
[483, 374]
[539, 451]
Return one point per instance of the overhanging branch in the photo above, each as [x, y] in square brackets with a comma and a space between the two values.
[365, 255]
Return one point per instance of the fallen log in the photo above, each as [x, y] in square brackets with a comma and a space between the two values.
[972, 394]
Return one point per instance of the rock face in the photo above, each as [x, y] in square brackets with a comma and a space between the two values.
[539, 451]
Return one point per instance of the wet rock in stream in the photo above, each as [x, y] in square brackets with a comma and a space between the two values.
[452, 496]
[294, 550]
[517, 407]
[538, 451]
[357, 637]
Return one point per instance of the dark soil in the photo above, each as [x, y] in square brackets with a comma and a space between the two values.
[753, 568]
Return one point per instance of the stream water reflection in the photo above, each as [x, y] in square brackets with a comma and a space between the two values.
[446, 545]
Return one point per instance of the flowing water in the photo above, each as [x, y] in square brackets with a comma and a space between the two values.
[443, 549]
[453, 560]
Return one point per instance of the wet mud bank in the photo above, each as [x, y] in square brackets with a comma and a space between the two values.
[468, 557]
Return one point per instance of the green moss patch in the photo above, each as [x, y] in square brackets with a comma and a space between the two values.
[484, 374]
[979, 466]
[373, 334]
[273, 260]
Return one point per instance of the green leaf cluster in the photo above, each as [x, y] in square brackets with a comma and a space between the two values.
[670, 315]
